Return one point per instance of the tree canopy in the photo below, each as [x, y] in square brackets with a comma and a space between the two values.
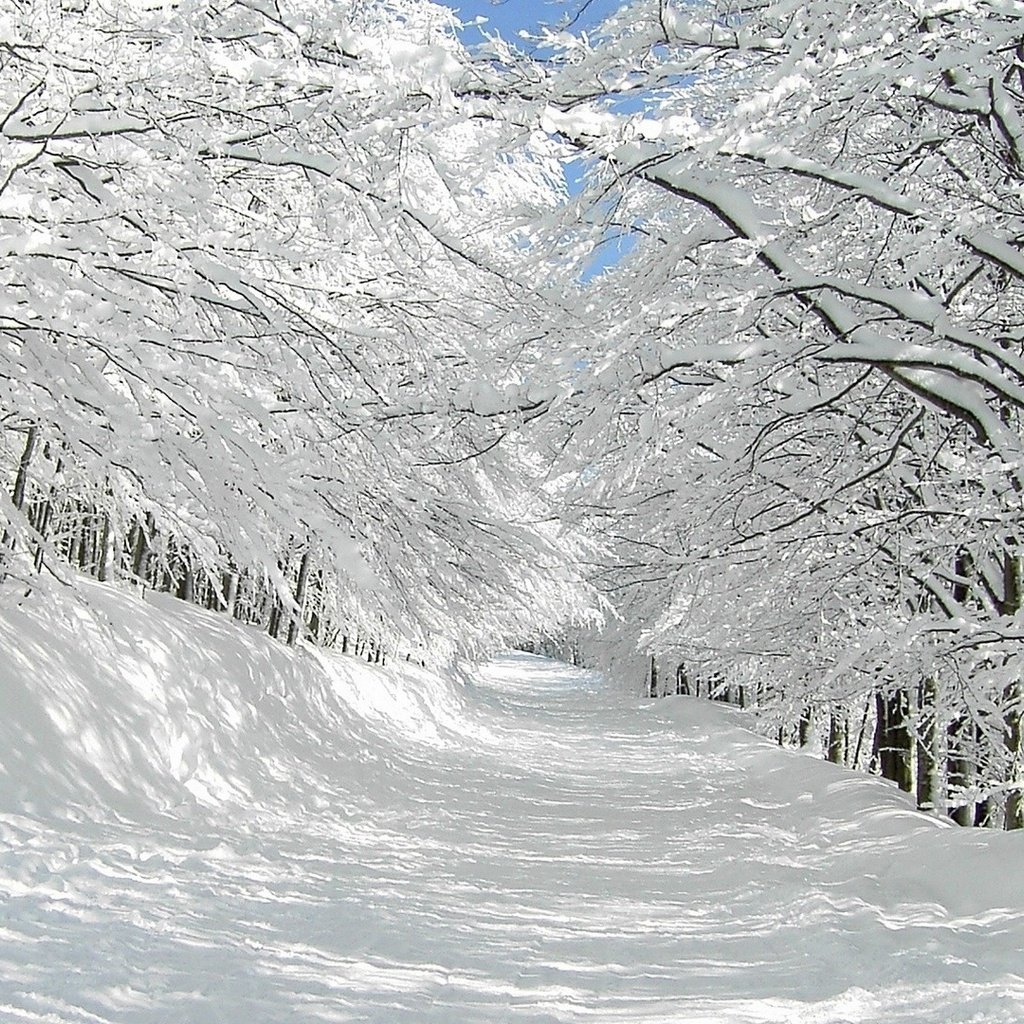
[301, 312]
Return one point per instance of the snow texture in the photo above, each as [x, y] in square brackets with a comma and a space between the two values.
[198, 825]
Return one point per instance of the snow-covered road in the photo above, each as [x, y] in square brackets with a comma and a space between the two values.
[544, 851]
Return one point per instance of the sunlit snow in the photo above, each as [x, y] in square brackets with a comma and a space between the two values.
[200, 826]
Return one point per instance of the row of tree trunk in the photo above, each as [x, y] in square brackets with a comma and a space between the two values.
[951, 762]
[55, 525]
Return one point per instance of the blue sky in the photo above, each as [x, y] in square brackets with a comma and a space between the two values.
[509, 17]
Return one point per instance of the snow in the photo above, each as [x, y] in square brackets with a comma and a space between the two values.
[580, 122]
[198, 825]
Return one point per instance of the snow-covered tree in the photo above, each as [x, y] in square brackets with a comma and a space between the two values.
[812, 376]
[269, 324]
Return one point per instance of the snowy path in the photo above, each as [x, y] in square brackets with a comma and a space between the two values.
[561, 855]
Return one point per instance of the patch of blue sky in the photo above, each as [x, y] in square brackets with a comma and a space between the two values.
[575, 171]
[516, 21]
[616, 243]
[512, 18]
[608, 254]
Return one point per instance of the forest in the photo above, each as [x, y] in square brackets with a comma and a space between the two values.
[690, 342]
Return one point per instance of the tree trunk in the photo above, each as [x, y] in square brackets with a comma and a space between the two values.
[806, 726]
[20, 483]
[959, 771]
[894, 738]
[21, 479]
[855, 763]
[984, 814]
[230, 588]
[297, 623]
[74, 542]
[45, 516]
[186, 586]
[836, 739]
[1013, 816]
[274, 621]
[682, 682]
[930, 795]
[105, 569]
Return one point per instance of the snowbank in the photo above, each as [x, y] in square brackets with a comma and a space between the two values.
[862, 830]
[116, 706]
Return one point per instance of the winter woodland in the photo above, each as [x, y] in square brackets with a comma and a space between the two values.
[692, 342]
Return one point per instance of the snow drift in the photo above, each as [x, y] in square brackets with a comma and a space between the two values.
[115, 706]
[199, 826]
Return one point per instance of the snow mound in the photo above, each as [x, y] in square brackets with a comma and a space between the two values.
[862, 830]
[117, 706]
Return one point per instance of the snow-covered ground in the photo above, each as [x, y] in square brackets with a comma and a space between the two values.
[197, 825]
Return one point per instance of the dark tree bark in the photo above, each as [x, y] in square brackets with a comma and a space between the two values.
[929, 796]
[894, 738]
[959, 770]
[805, 727]
[21, 479]
[230, 589]
[295, 626]
[836, 740]
[105, 551]
[1013, 815]
[274, 619]
[682, 682]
